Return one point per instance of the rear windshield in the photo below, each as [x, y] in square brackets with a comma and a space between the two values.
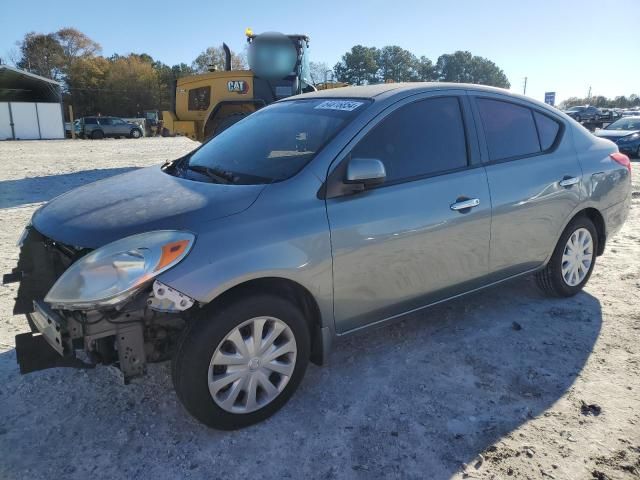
[274, 143]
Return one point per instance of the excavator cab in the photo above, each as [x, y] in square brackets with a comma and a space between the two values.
[280, 64]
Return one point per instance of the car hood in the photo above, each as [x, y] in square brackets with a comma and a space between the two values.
[136, 202]
[615, 133]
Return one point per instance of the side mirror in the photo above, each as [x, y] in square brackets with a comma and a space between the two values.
[365, 172]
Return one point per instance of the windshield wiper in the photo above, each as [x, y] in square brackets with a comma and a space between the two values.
[220, 176]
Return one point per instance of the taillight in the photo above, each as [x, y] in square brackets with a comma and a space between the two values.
[622, 159]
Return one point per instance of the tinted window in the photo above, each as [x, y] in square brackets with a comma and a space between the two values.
[509, 129]
[274, 143]
[90, 121]
[199, 98]
[421, 138]
[547, 130]
[106, 121]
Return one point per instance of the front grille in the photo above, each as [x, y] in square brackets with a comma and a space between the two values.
[40, 264]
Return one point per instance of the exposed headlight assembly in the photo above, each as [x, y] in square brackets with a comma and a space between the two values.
[112, 273]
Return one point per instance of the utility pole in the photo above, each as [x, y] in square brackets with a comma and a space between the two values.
[524, 92]
[589, 94]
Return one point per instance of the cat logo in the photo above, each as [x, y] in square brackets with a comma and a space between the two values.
[239, 86]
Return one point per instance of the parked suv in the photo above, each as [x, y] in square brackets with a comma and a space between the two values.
[585, 113]
[315, 217]
[100, 127]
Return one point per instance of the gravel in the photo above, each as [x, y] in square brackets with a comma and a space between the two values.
[493, 385]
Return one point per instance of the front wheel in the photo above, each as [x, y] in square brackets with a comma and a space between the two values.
[572, 261]
[239, 364]
[135, 133]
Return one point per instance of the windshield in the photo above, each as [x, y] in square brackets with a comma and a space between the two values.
[274, 143]
[625, 124]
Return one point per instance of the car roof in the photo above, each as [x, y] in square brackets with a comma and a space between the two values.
[384, 89]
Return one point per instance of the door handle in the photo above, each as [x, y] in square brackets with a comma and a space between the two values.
[465, 204]
[568, 181]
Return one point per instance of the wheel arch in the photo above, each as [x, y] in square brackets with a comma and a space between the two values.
[596, 217]
[297, 294]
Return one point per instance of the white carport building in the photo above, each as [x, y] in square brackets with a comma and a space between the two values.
[30, 106]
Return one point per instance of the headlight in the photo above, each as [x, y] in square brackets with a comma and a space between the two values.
[112, 273]
[629, 138]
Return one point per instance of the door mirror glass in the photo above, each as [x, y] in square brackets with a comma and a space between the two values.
[365, 171]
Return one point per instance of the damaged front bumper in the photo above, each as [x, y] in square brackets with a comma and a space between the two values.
[143, 329]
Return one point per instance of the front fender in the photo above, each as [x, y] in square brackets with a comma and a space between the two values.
[280, 236]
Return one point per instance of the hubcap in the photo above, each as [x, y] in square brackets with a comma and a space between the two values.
[577, 257]
[252, 365]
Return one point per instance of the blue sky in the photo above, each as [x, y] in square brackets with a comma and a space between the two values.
[564, 45]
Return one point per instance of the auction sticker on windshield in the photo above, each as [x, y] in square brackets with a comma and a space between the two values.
[344, 105]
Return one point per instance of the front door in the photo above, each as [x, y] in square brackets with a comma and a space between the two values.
[407, 242]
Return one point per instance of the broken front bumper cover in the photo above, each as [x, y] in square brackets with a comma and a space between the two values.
[52, 327]
[51, 348]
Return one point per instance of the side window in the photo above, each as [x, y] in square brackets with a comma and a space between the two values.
[508, 128]
[547, 130]
[90, 121]
[423, 138]
[105, 121]
[199, 98]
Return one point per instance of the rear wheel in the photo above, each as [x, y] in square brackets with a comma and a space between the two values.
[239, 364]
[97, 134]
[572, 261]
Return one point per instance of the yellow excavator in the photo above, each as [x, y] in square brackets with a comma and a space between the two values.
[208, 103]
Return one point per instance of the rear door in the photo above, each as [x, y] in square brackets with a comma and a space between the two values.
[534, 178]
[402, 245]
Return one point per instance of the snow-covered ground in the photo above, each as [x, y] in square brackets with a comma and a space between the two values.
[489, 386]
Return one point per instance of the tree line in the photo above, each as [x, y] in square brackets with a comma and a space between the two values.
[122, 85]
[366, 65]
[126, 85]
[599, 101]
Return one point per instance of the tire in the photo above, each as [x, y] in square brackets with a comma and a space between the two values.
[135, 133]
[552, 280]
[208, 333]
[224, 124]
[97, 134]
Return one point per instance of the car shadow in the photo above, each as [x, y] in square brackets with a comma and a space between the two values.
[14, 193]
[416, 399]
